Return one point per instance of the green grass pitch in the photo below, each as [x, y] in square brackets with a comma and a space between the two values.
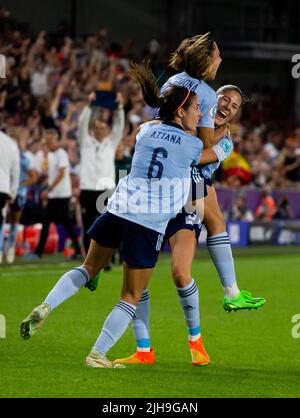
[253, 353]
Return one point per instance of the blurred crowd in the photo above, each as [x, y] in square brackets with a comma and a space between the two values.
[264, 156]
[49, 81]
[268, 208]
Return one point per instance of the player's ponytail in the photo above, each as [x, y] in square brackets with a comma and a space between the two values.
[193, 56]
[168, 103]
[146, 79]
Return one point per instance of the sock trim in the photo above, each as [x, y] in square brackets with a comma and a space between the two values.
[194, 338]
[187, 287]
[218, 239]
[128, 309]
[145, 296]
[194, 331]
[83, 272]
[220, 244]
[188, 292]
[209, 240]
[143, 343]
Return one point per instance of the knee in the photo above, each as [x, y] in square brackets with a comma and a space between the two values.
[181, 276]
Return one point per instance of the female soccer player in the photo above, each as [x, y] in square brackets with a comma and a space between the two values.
[197, 60]
[183, 234]
[164, 154]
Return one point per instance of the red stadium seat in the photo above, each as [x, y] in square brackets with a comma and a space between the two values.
[32, 236]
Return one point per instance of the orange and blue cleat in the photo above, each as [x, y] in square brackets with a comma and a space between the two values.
[199, 355]
[139, 357]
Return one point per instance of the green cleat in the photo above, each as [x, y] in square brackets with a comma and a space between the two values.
[243, 300]
[93, 284]
[34, 321]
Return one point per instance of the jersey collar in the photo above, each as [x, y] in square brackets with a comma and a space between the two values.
[175, 125]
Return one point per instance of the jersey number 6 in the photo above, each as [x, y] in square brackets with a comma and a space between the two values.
[155, 165]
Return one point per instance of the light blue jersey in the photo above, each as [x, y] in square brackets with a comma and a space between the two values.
[158, 185]
[208, 170]
[206, 95]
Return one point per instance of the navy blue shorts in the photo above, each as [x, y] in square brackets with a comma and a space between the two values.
[139, 246]
[183, 220]
[187, 220]
[199, 184]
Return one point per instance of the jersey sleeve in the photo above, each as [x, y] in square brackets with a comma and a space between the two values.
[140, 132]
[208, 108]
[223, 148]
[198, 147]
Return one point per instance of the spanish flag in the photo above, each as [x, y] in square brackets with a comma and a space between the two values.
[236, 166]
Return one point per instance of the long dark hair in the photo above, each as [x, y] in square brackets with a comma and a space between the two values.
[168, 103]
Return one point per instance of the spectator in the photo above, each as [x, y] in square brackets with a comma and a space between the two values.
[98, 144]
[27, 178]
[9, 177]
[58, 193]
[283, 209]
[239, 211]
[273, 146]
[39, 80]
[289, 162]
[267, 208]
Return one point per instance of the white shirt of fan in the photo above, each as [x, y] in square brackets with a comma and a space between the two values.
[97, 159]
[57, 160]
[9, 166]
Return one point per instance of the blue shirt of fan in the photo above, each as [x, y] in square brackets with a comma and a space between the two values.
[206, 95]
[158, 185]
[25, 166]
